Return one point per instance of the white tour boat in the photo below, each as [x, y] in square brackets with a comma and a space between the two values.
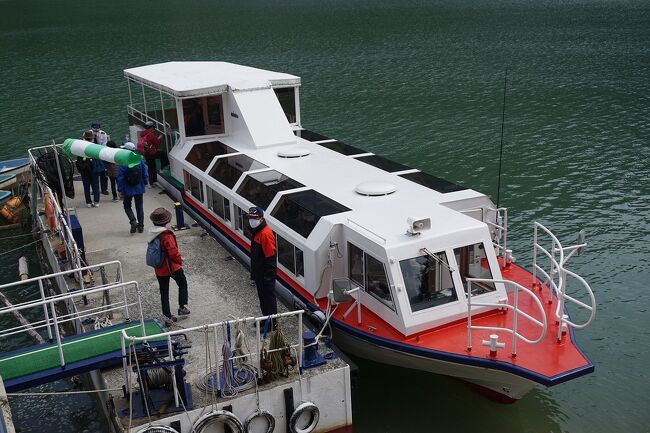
[407, 268]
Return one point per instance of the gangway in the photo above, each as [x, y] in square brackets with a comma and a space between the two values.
[61, 356]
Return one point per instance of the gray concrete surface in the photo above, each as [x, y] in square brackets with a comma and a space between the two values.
[219, 286]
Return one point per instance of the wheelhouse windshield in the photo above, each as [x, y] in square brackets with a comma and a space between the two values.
[428, 281]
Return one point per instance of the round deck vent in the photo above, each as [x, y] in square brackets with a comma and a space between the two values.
[375, 188]
[294, 152]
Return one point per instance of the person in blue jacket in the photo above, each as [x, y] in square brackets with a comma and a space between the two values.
[131, 185]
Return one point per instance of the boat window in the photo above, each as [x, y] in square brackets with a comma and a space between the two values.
[369, 273]
[193, 185]
[228, 170]
[287, 98]
[428, 281]
[472, 263]
[203, 116]
[219, 204]
[202, 154]
[300, 211]
[290, 256]
[241, 222]
[310, 135]
[340, 147]
[260, 188]
[432, 182]
[383, 163]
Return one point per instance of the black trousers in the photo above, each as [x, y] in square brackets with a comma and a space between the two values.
[266, 293]
[163, 282]
[151, 168]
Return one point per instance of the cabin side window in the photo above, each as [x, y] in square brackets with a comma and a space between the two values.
[428, 281]
[290, 256]
[472, 263]
[202, 154]
[369, 273]
[287, 98]
[193, 185]
[241, 222]
[219, 204]
[202, 116]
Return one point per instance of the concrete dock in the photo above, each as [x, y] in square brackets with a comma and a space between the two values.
[219, 290]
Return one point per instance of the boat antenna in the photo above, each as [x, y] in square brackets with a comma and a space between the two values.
[503, 122]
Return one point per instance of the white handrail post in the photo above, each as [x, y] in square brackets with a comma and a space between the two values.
[300, 342]
[216, 357]
[469, 315]
[125, 367]
[514, 321]
[560, 300]
[258, 355]
[58, 334]
[535, 255]
[126, 305]
[505, 237]
[47, 315]
[171, 358]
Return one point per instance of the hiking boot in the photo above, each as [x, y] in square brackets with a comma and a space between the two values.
[169, 321]
[115, 199]
[184, 311]
[140, 229]
[134, 226]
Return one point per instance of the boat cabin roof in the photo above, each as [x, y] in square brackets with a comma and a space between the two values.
[191, 79]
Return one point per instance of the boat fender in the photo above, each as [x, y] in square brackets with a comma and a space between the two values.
[260, 413]
[304, 407]
[218, 417]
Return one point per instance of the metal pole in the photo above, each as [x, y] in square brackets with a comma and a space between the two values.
[216, 358]
[171, 358]
[300, 340]
[535, 254]
[514, 322]
[47, 315]
[469, 315]
[124, 363]
[58, 335]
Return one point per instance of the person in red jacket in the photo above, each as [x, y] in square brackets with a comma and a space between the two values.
[172, 266]
[263, 263]
[148, 145]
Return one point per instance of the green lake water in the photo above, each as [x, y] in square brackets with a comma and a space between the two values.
[420, 82]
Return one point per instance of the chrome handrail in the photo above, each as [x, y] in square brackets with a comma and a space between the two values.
[516, 312]
[558, 260]
[499, 229]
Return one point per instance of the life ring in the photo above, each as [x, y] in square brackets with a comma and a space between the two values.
[304, 407]
[219, 417]
[49, 212]
[260, 413]
[157, 428]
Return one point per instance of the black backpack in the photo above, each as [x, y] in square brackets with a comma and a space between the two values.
[134, 175]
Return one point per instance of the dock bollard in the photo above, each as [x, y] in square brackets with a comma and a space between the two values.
[180, 219]
[311, 357]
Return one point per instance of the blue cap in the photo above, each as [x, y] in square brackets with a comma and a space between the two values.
[95, 125]
[255, 212]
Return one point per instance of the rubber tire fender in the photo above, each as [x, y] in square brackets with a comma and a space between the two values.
[270, 419]
[305, 406]
[219, 416]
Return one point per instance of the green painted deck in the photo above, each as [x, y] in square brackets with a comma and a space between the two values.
[76, 348]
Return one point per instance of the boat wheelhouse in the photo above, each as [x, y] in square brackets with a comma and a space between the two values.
[409, 269]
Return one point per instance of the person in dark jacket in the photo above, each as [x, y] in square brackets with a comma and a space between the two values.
[172, 266]
[111, 171]
[263, 262]
[131, 185]
[89, 176]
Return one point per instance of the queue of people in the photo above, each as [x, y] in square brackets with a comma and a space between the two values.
[130, 184]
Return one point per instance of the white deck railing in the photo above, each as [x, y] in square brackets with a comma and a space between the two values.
[498, 228]
[215, 329]
[515, 309]
[53, 320]
[556, 277]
